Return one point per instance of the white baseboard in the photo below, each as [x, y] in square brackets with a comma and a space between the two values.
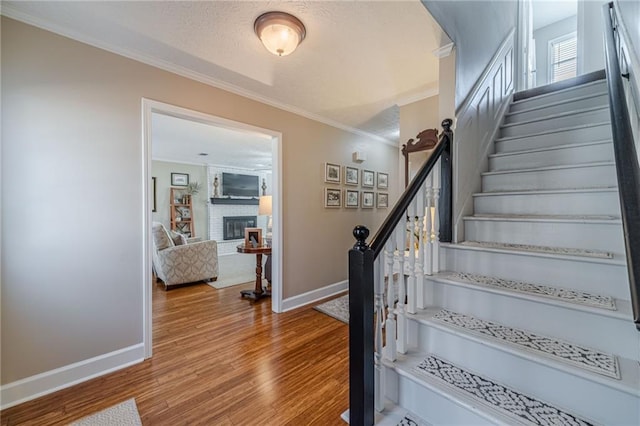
[314, 295]
[51, 381]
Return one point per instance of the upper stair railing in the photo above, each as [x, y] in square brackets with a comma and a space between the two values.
[404, 249]
[626, 157]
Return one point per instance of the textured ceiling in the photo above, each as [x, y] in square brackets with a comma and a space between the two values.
[358, 61]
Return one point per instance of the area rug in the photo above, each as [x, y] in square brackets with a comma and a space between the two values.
[336, 308]
[234, 269]
[123, 414]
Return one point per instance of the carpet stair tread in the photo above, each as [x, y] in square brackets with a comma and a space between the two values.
[568, 251]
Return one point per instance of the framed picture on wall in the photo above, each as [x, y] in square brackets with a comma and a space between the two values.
[351, 198]
[331, 172]
[351, 175]
[368, 178]
[367, 200]
[153, 202]
[383, 180]
[332, 198]
[382, 200]
[179, 179]
[252, 237]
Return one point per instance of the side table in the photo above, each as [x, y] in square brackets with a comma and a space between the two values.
[258, 292]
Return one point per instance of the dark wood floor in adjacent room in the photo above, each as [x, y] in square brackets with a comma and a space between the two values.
[218, 360]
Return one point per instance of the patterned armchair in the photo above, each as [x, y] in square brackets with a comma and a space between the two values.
[176, 262]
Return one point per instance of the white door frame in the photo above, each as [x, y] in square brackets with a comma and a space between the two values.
[525, 50]
[150, 106]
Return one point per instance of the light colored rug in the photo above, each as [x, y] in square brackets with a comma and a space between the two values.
[234, 269]
[123, 414]
[336, 308]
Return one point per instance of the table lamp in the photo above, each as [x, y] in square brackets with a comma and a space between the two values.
[265, 209]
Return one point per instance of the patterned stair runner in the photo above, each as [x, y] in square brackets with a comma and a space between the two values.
[564, 294]
[569, 353]
[540, 249]
[521, 408]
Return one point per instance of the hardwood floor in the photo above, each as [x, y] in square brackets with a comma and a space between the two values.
[218, 360]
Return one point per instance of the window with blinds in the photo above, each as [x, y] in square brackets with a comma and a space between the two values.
[562, 57]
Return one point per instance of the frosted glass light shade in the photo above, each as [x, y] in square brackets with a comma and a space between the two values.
[280, 32]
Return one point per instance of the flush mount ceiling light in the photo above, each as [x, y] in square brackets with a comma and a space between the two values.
[280, 32]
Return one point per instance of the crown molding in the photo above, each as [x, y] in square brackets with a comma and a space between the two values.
[443, 51]
[11, 12]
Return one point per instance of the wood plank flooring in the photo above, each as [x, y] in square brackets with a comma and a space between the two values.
[218, 360]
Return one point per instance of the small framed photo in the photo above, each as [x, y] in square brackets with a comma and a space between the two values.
[382, 200]
[331, 172]
[367, 199]
[253, 237]
[179, 179]
[332, 198]
[351, 176]
[383, 180]
[368, 177]
[351, 198]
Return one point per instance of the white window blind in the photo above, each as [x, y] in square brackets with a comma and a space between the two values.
[562, 58]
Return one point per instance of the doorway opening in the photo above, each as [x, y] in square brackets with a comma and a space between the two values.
[208, 146]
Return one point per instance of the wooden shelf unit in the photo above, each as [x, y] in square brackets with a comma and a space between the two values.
[181, 212]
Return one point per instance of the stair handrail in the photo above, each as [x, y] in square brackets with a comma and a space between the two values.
[626, 159]
[361, 282]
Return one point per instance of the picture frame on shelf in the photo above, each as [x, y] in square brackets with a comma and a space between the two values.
[332, 198]
[367, 199]
[253, 237]
[368, 178]
[351, 198]
[382, 200]
[179, 179]
[383, 180]
[351, 175]
[331, 173]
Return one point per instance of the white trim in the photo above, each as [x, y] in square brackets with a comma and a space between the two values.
[315, 295]
[443, 51]
[45, 383]
[11, 12]
[148, 107]
[225, 166]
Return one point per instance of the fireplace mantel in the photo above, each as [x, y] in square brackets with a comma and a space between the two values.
[236, 201]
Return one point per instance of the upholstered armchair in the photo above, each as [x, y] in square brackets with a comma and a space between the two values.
[177, 262]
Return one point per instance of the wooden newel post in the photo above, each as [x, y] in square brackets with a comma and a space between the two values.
[361, 331]
[446, 185]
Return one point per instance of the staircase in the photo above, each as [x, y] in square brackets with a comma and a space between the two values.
[530, 321]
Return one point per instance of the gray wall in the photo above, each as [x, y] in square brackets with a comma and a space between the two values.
[72, 240]
[477, 28]
[542, 37]
[630, 14]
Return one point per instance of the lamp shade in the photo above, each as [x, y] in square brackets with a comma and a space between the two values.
[280, 32]
[264, 205]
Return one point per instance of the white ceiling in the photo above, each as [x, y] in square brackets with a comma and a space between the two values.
[358, 61]
[546, 12]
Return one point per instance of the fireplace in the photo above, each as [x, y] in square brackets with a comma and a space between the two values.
[233, 226]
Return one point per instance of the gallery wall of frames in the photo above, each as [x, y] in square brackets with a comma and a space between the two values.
[352, 187]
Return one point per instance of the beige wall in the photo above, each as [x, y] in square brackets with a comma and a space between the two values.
[414, 118]
[162, 171]
[72, 249]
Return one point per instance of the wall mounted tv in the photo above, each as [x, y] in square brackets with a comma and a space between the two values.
[234, 185]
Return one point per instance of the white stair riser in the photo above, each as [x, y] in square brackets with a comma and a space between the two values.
[556, 122]
[554, 157]
[568, 203]
[612, 335]
[594, 401]
[559, 96]
[595, 236]
[593, 277]
[580, 135]
[571, 105]
[429, 405]
[599, 176]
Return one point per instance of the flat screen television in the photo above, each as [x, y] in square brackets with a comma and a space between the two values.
[235, 185]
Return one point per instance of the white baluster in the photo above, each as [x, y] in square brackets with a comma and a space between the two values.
[436, 219]
[378, 283]
[422, 243]
[429, 249]
[401, 235]
[390, 323]
[416, 228]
